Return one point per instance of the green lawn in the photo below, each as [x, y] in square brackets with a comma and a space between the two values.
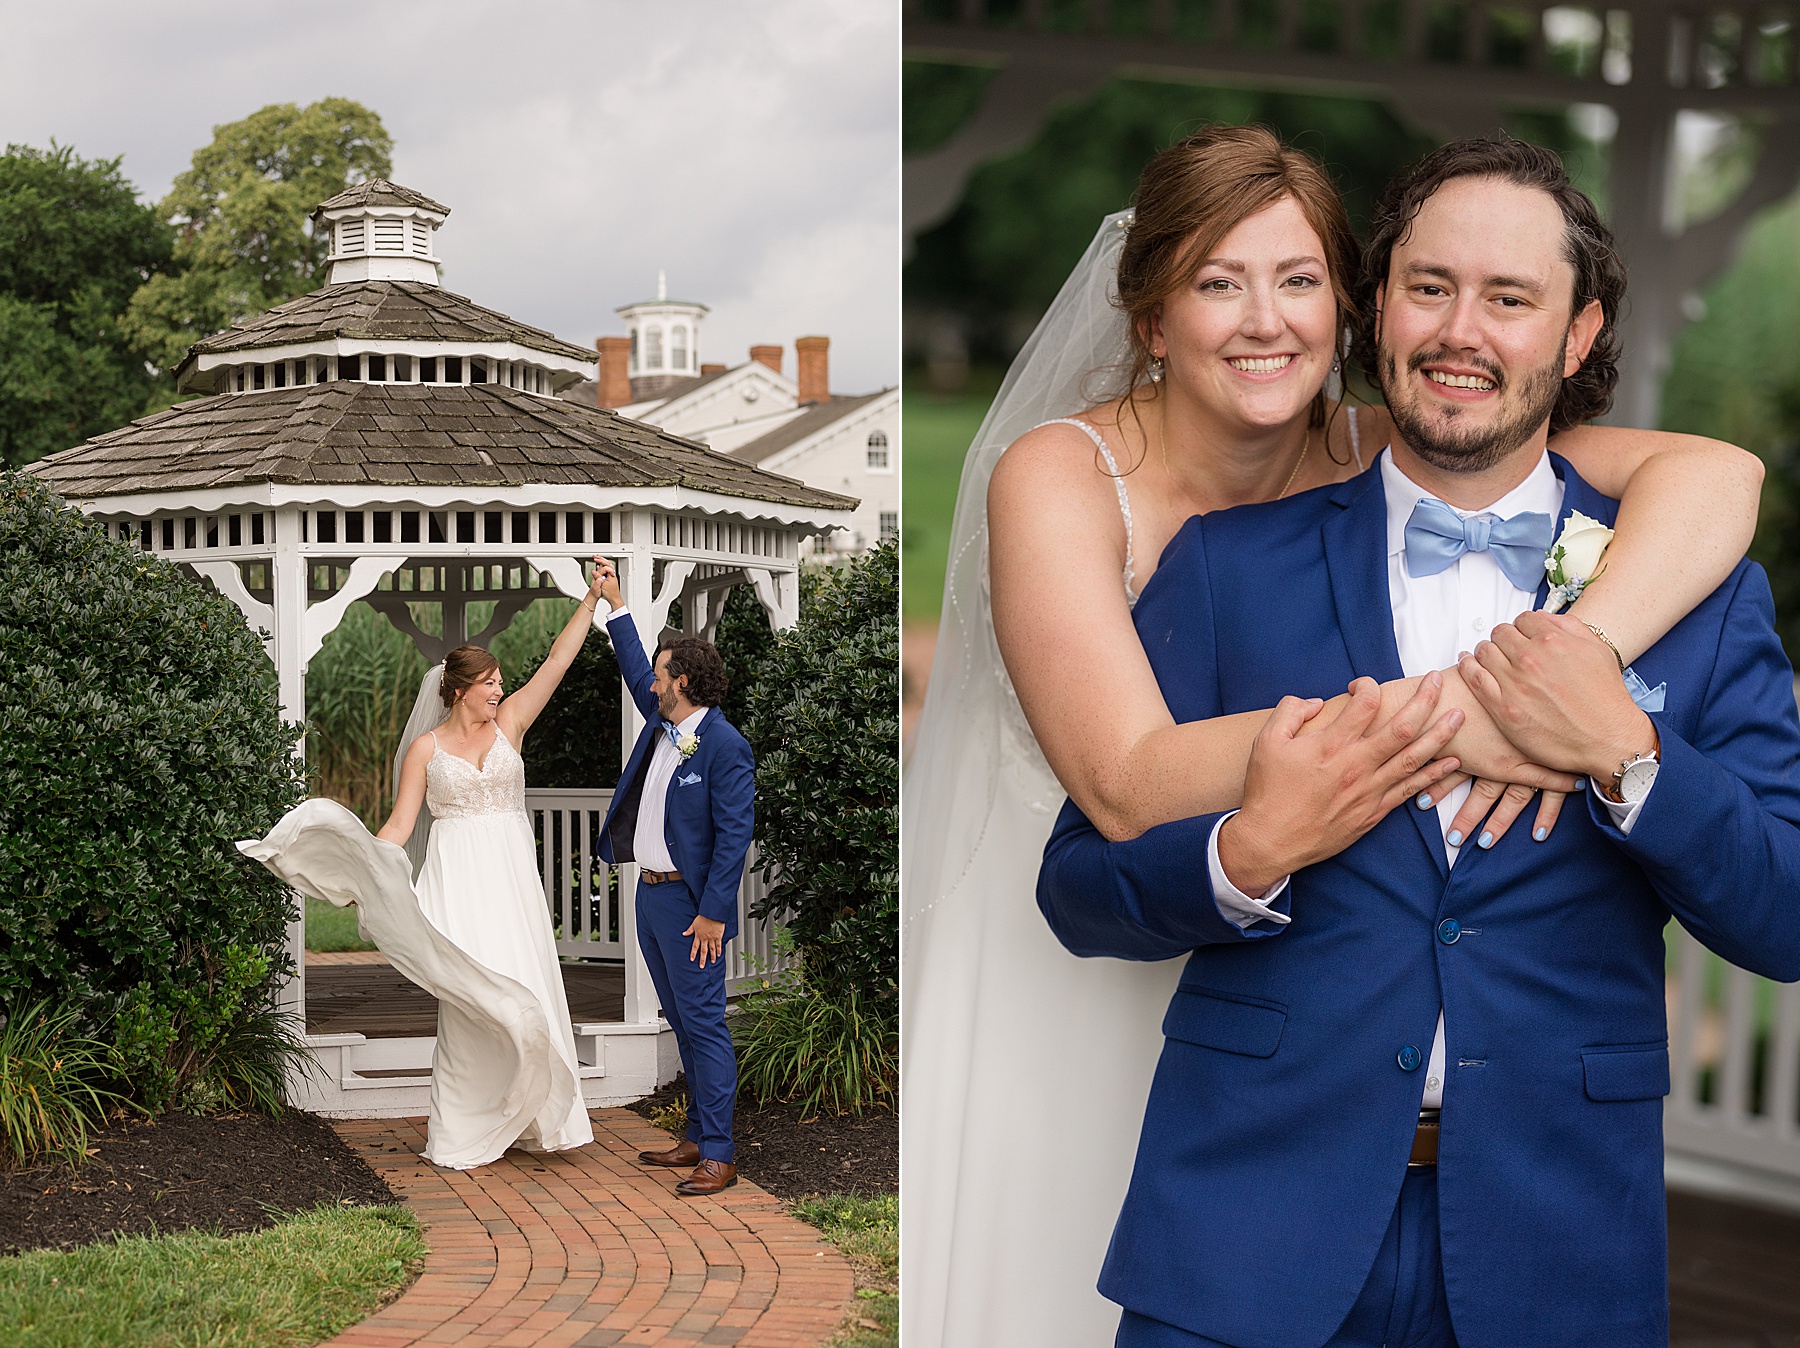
[867, 1233]
[329, 927]
[293, 1284]
[937, 433]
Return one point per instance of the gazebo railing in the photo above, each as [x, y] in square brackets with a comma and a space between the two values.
[1734, 1058]
[586, 896]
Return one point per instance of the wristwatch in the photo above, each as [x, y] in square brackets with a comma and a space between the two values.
[1632, 782]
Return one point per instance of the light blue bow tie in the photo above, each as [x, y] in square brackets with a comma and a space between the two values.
[1436, 536]
[673, 732]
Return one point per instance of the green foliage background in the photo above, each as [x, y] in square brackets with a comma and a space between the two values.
[823, 718]
[75, 245]
[142, 738]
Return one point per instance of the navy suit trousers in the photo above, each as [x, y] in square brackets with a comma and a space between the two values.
[694, 1001]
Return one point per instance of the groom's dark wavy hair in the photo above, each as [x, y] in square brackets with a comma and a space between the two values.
[700, 662]
[1587, 244]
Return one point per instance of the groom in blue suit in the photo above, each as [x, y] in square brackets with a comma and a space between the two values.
[684, 810]
[1411, 1093]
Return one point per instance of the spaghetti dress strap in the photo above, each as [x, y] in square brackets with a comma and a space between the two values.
[1355, 440]
[1118, 478]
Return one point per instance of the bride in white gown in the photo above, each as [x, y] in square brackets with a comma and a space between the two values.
[1024, 1069]
[475, 930]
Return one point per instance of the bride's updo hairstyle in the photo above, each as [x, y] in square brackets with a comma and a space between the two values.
[1195, 193]
[465, 667]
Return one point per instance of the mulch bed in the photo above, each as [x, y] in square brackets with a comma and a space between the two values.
[791, 1158]
[224, 1173]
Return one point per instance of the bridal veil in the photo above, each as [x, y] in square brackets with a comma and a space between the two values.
[1024, 1069]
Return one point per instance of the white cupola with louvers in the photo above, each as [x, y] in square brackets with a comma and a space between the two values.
[382, 232]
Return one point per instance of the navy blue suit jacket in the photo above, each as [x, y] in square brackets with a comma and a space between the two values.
[1280, 1119]
[709, 813]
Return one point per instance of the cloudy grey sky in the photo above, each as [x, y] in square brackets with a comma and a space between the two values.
[752, 150]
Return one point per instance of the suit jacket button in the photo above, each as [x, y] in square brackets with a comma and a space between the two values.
[1449, 930]
[1408, 1058]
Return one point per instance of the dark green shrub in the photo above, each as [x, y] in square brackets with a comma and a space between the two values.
[823, 717]
[139, 737]
[575, 741]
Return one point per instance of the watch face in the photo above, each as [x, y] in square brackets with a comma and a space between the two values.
[1634, 785]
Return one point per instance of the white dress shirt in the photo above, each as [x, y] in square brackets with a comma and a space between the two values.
[650, 844]
[1436, 618]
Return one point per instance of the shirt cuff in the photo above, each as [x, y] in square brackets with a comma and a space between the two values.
[1624, 812]
[605, 618]
[1237, 907]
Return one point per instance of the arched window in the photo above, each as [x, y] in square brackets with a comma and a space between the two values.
[653, 351]
[878, 452]
[678, 348]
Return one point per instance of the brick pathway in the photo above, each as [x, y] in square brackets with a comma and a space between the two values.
[590, 1248]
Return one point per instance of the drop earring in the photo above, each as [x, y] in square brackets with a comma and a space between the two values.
[1156, 369]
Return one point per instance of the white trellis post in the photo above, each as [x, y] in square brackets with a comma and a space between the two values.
[288, 580]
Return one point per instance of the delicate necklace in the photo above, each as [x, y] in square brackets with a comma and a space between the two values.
[1162, 449]
[1305, 445]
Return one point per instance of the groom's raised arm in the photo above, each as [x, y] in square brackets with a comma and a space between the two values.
[634, 665]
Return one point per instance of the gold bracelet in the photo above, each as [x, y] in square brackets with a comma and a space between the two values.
[1611, 645]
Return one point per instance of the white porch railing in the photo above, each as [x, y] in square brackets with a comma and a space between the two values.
[587, 896]
[1732, 1120]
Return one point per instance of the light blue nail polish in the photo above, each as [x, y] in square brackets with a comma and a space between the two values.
[1581, 783]
[1541, 834]
[1424, 801]
[1485, 840]
[1454, 837]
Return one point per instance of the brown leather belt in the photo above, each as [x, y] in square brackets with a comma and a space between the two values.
[651, 877]
[1425, 1140]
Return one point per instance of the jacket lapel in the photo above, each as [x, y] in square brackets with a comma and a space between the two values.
[1355, 541]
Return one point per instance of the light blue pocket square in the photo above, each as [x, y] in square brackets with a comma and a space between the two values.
[1648, 698]
[693, 777]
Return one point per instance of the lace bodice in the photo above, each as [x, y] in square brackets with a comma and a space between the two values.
[455, 789]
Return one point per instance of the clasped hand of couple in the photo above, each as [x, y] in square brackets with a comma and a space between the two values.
[1322, 774]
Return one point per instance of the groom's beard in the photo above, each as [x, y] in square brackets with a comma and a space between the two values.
[1441, 442]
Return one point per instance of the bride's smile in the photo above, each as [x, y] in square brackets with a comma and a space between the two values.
[1254, 330]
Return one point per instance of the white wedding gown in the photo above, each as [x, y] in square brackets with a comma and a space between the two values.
[475, 933]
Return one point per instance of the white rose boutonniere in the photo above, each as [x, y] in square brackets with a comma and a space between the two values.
[686, 744]
[1574, 560]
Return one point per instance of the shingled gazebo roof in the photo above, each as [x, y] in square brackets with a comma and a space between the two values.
[354, 433]
[380, 192]
[380, 311]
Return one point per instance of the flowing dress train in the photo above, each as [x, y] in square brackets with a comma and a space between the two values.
[476, 934]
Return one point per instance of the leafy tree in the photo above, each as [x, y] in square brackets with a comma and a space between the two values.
[823, 718]
[244, 242]
[74, 246]
[143, 737]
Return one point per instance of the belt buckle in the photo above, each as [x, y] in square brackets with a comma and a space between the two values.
[1424, 1154]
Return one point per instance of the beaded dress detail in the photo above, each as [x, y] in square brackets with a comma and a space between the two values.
[456, 789]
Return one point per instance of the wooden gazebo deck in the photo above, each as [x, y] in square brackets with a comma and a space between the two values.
[371, 997]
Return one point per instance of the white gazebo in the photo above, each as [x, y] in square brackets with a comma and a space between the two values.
[383, 441]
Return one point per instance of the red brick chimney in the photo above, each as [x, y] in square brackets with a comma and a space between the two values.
[711, 369]
[615, 370]
[767, 355]
[811, 355]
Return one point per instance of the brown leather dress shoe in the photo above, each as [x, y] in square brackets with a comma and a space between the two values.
[709, 1177]
[683, 1154]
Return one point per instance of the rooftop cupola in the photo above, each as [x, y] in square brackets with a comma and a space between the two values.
[665, 340]
[381, 232]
